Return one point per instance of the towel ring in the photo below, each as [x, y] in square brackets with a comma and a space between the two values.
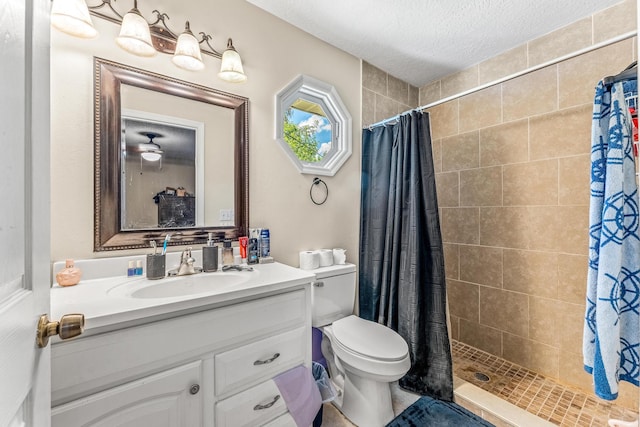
[315, 182]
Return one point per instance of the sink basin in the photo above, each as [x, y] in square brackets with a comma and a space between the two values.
[178, 286]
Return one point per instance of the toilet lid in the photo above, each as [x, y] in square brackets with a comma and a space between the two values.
[370, 339]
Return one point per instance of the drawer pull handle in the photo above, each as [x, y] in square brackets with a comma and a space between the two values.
[267, 405]
[194, 389]
[318, 284]
[264, 362]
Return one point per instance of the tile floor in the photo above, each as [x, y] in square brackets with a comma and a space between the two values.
[540, 396]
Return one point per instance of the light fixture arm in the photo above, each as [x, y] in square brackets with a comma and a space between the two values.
[162, 35]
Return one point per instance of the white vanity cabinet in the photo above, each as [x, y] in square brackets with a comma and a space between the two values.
[204, 368]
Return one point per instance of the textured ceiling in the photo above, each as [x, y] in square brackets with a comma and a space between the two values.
[420, 41]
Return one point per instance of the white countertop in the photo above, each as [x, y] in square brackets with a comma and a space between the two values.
[107, 302]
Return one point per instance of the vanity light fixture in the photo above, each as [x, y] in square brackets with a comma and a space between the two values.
[139, 37]
[72, 17]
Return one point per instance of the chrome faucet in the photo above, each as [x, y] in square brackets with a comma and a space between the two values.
[186, 265]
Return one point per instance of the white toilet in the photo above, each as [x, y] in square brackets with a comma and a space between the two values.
[363, 357]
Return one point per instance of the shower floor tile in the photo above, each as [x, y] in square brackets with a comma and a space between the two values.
[541, 396]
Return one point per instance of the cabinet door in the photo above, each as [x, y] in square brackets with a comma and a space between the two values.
[171, 398]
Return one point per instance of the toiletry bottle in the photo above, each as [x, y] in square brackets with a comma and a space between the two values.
[243, 242]
[227, 253]
[131, 269]
[139, 267]
[253, 251]
[69, 275]
[210, 255]
[265, 243]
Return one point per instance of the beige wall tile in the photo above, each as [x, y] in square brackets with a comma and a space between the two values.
[463, 300]
[413, 97]
[368, 107]
[444, 119]
[572, 321]
[481, 264]
[533, 183]
[531, 354]
[504, 227]
[481, 187]
[448, 188]
[451, 261]
[460, 225]
[459, 82]
[481, 109]
[385, 108]
[573, 234]
[461, 152]
[544, 321]
[614, 21]
[572, 278]
[530, 272]
[482, 337]
[429, 93]
[578, 76]
[374, 78]
[436, 149]
[561, 134]
[628, 396]
[558, 228]
[454, 323]
[566, 40]
[503, 65]
[504, 144]
[504, 310]
[572, 371]
[574, 179]
[398, 89]
[531, 94]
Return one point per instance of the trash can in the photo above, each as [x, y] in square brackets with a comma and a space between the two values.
[327, 391]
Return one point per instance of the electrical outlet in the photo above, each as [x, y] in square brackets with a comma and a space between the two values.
[226, 214]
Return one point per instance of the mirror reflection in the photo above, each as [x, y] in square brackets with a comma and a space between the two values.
[171, 157]
[307, 131]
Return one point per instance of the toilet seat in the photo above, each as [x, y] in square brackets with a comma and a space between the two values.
[369, 339]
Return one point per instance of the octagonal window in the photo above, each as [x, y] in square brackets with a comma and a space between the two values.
[313, 126]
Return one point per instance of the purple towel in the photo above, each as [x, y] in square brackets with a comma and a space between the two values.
[300, 393]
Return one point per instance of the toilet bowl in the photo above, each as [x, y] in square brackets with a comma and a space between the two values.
[363, 357]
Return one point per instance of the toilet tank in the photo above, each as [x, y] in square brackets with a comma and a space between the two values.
[333, 293]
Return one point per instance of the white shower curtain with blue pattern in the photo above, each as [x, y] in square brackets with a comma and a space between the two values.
[612, 324]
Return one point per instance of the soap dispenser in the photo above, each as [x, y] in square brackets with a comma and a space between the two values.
[227, 253]
[210, 255]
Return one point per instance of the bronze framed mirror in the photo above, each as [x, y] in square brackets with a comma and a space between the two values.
[171, 157]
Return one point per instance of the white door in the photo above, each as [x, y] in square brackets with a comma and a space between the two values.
[25, 396]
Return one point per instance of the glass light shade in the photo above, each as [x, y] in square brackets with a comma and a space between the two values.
[231, 67]
[151, 156]
[187, 54]
[134, 35]
[72, 17]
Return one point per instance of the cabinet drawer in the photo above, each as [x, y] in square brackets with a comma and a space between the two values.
[259, 360]
[252, 407]
[285, 420]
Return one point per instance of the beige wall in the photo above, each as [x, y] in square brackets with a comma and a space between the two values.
[274, 53]
[512, 171]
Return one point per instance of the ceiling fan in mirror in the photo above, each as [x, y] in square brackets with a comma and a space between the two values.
[150, 150]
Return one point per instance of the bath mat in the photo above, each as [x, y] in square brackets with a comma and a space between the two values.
[431, 412]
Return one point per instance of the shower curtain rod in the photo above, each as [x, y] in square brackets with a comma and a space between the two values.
[511, 76]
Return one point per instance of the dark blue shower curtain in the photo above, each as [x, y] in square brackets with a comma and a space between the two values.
[401, 279]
